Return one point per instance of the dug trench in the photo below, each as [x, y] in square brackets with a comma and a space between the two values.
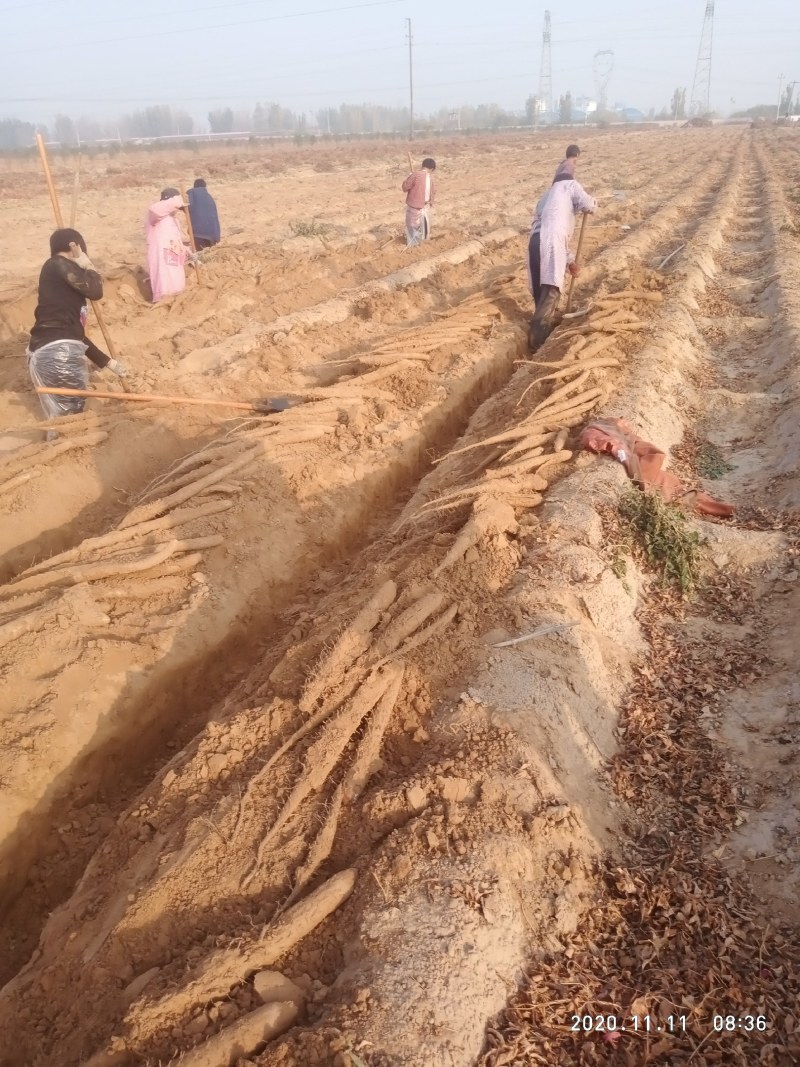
[469, 861]
[112, 687]
[158, 709]
[230, 317]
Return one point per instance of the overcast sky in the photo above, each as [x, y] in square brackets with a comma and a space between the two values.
[104, 57]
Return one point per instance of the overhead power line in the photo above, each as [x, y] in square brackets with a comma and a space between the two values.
[189, 28]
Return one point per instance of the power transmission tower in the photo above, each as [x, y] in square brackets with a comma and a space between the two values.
[701, 87]
[410, 82]
[546, 70]
[602, 65]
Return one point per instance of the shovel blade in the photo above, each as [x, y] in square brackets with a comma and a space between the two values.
[274, 404]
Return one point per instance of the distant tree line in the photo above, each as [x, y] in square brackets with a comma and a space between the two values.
[267, 119]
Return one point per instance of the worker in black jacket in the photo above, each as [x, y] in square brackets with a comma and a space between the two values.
[58, 348]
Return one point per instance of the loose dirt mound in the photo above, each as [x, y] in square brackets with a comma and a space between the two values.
[390, 701]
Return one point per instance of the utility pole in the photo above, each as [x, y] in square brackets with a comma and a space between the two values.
[700, 103]
[410, 82]
[780, 97]
[546, 70]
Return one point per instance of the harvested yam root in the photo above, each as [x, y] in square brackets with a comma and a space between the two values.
[218, 972]
[353, 642]
[491, 517]
[243, 1037]
[648, 295]
[93, 545]
[362, 768]
[563, 391]
[509, 435]
[20, 479]
[407, 623]
[159, 507]
[321, 757]
[419, 638]
[51, 452]
[537, 462]
[589, 363]
[95, 572]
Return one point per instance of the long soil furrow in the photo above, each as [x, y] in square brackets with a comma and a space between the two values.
[430, 586]
[105, 478]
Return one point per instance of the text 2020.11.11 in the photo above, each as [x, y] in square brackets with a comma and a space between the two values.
[585, 1024]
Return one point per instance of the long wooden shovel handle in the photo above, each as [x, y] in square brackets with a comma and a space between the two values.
[190, 228]
[150, 398]
[410, 161]
[48, 177]
[101, 322]
[577, 260]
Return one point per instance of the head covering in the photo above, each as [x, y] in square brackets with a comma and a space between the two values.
[565, 171]
[60, 240]
[168, 193]
[429, 164]
[199, 183]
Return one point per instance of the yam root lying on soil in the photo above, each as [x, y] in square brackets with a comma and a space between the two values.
[243, 1037]
[352, 643]
[77, 602]
[531, 464]
[562, 392]
[96, 572]
[20, 479]
[215, 975]
[423, 635]
[651, 296]
[159, 507]
[408, 622]
[491, 517]
[574, 405]
[508, 435]
[93, 545]
[363, 766]
[321, 757]
[89, 440]
[590, 363]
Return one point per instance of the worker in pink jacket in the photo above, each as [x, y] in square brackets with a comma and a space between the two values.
[168, 251]
[420, 190]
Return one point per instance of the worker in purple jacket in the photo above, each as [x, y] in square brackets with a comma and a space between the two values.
[204, 215]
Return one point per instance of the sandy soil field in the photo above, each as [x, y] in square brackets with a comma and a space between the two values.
[367, 734]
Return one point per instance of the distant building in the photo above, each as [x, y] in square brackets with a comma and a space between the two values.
[585, 104]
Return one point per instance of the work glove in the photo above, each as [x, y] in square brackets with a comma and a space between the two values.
[117, 368]
[81, 257]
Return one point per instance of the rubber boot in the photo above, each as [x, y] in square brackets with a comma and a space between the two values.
[538, 333]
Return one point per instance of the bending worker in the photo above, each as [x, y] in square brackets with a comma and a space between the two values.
[204, 215]
[421, 191]
[59, 348]
[549, 254]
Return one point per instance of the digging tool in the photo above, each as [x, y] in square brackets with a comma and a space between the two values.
[262, 406]
[577, 260]
[75, 190]
[60, 223]
[190, 228]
